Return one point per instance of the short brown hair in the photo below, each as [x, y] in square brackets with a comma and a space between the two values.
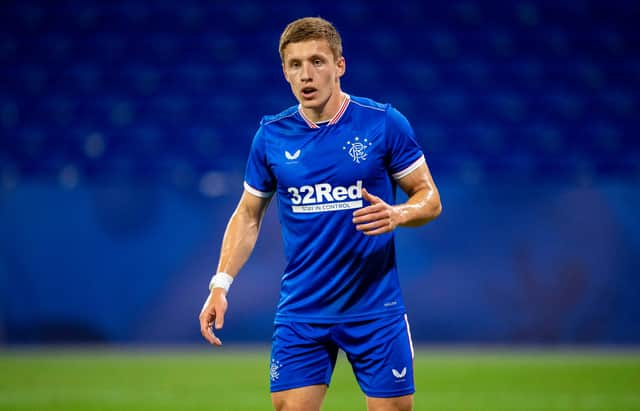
[311, 28]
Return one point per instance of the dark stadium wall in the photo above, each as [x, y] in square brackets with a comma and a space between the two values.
[125, 128]
[503, 264]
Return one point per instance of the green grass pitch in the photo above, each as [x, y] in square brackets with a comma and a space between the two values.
[237, 380]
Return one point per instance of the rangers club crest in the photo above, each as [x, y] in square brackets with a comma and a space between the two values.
[357, 149]
[273, 370]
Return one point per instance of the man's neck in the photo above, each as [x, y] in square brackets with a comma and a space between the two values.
[328, 111]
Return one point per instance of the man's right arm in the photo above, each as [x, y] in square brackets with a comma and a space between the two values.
[237, 244]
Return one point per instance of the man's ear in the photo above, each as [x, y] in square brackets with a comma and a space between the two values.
[342, 66]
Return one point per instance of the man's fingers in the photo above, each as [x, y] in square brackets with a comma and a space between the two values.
[219, 320]
[368, 210]
[215, 340]
[370, 197]
[374, 219]
[206, 322]
[208, 334]
[378, 231]
[373, 225]
[211, 337]
[366, 218]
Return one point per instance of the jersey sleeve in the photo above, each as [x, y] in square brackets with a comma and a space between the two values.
[404, 153]
[258, 178]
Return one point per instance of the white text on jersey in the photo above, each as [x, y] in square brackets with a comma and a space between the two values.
[324, 197]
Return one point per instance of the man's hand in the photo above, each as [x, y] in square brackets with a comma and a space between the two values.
[377, 218]
[213, 310]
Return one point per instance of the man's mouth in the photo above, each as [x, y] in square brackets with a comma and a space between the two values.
[308, 92]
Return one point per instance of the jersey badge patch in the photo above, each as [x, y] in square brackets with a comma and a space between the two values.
[357, 149]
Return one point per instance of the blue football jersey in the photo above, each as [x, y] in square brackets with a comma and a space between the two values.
[334, 273]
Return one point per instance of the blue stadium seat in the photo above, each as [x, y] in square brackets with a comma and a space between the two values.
[529, 81]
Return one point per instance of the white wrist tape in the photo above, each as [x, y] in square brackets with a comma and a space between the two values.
[221, 280]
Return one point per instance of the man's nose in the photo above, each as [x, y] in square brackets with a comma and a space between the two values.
[305, 74]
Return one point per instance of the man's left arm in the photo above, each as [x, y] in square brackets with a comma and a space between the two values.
[422, 206]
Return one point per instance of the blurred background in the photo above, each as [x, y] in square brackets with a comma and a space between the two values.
[125, 127]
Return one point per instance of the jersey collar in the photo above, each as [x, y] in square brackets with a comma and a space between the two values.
[343, 107]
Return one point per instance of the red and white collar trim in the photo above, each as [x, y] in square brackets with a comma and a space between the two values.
[334, 119]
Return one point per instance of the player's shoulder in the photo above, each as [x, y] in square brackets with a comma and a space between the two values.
[368, 104]
[283, 116]
[374, 110]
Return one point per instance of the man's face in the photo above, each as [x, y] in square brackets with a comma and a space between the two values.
[312, 72]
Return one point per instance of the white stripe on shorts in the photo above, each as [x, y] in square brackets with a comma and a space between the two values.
[406, 320]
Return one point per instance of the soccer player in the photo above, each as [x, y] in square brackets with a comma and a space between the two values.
[334, 161]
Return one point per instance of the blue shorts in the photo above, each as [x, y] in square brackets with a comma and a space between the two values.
[380, 352]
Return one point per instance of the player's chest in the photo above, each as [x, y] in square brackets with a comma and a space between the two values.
[323, 157]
